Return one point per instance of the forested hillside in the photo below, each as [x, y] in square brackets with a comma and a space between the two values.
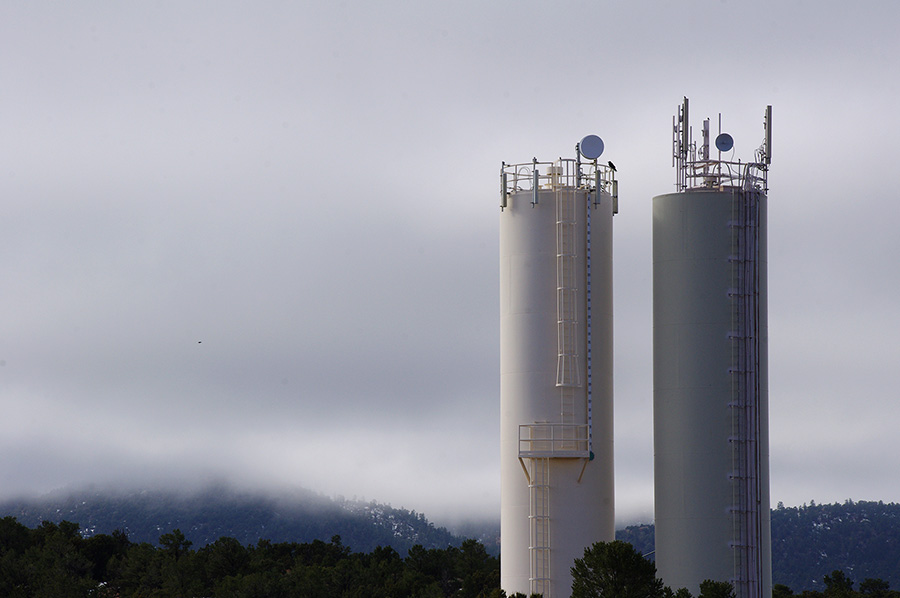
[218, 511]
[861, 539]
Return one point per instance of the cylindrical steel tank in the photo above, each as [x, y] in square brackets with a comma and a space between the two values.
[556, 385]
[710, 397]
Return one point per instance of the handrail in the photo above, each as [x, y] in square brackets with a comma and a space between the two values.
[564, 172]
[553, 440]
[716, 174]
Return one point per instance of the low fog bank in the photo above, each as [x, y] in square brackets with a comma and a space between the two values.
[175, 492]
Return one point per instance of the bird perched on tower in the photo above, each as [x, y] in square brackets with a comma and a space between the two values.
[612, 166]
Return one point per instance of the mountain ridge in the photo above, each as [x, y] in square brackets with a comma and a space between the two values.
[862, 538]
[216, 511]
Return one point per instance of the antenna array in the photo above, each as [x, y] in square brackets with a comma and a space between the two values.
[695, 169]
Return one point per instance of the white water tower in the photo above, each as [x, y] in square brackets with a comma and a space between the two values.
[710, 373]
[556, 361]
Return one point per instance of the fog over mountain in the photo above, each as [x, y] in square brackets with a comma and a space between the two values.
[260, 243]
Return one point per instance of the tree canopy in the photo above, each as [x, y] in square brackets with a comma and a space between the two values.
[615, 570]
[54, 560]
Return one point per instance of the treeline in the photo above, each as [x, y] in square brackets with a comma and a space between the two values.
[55, 561]
[839, 585]
[811, 541]
[860, 538]
[617, 570]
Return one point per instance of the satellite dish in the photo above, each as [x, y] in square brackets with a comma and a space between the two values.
[724, 142]
[591, 147]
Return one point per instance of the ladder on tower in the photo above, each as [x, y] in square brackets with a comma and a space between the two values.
[539, 520]
[567, 374]
[569, 436]
[747, 521]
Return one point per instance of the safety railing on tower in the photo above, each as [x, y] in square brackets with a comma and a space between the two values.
[553, 440]
[535, 176]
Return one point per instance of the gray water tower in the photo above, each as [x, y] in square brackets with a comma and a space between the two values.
[710, 389]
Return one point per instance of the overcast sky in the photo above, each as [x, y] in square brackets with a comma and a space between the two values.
[259, 241]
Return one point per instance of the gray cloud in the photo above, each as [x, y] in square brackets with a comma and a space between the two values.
[262, 245]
